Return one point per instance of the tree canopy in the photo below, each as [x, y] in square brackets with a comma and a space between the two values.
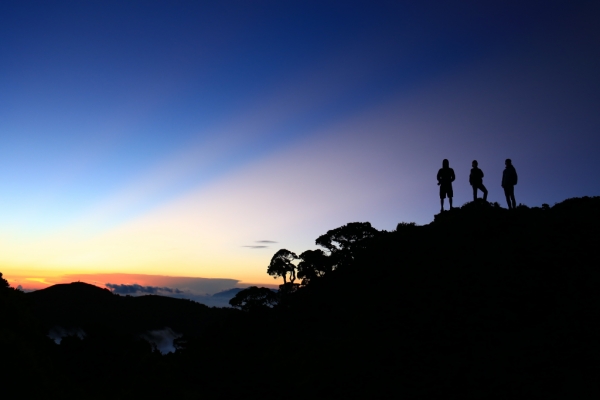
[343, 242]
[281, 266]
[346, 237]
[254, 299]
[313, 264]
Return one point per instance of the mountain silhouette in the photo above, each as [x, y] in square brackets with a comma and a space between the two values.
[87, 307]
[64, 293]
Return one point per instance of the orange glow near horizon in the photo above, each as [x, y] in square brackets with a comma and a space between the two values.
[101, 279]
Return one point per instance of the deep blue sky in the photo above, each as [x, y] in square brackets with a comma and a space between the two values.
[212, 125]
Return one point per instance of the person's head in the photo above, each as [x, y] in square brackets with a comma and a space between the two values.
[474, 164]
[508, 162]
[445, 163]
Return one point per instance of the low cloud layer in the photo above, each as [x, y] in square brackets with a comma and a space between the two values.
[204, 286]
[139, 289]
[219, 299]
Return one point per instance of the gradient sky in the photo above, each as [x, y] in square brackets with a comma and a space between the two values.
[184, 138]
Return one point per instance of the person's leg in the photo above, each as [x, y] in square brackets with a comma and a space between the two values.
[450, 200]
[442, 197]
[474, 192]
[485, 192]
[507, 195]
[512, 196]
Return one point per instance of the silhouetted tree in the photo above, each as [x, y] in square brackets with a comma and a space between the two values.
[343, 242]
[281, 265]
[313, 264]
[254, 298]
[346, 237]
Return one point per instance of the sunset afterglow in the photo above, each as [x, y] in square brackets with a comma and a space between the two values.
[180, 140]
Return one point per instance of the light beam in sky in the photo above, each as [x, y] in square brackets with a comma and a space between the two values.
[172, 144]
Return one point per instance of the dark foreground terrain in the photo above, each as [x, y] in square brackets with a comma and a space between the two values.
[481, 303]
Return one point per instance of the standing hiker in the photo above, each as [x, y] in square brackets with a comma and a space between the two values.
[445, 178]
[476, 181]
[509, 180]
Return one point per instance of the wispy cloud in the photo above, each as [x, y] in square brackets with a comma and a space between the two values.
[262, 246]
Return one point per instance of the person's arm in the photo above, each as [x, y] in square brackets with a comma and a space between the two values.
[439, 179]
[452, 177]
[516, 177]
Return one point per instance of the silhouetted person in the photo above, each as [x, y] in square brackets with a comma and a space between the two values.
[509, 180]
[476, 181]
[445, 178]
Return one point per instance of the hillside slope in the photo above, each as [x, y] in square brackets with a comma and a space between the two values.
[483, 301]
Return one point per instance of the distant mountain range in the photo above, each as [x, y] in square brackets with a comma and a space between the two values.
[83, 306]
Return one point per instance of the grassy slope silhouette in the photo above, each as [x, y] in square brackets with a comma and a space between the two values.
[482, 302]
